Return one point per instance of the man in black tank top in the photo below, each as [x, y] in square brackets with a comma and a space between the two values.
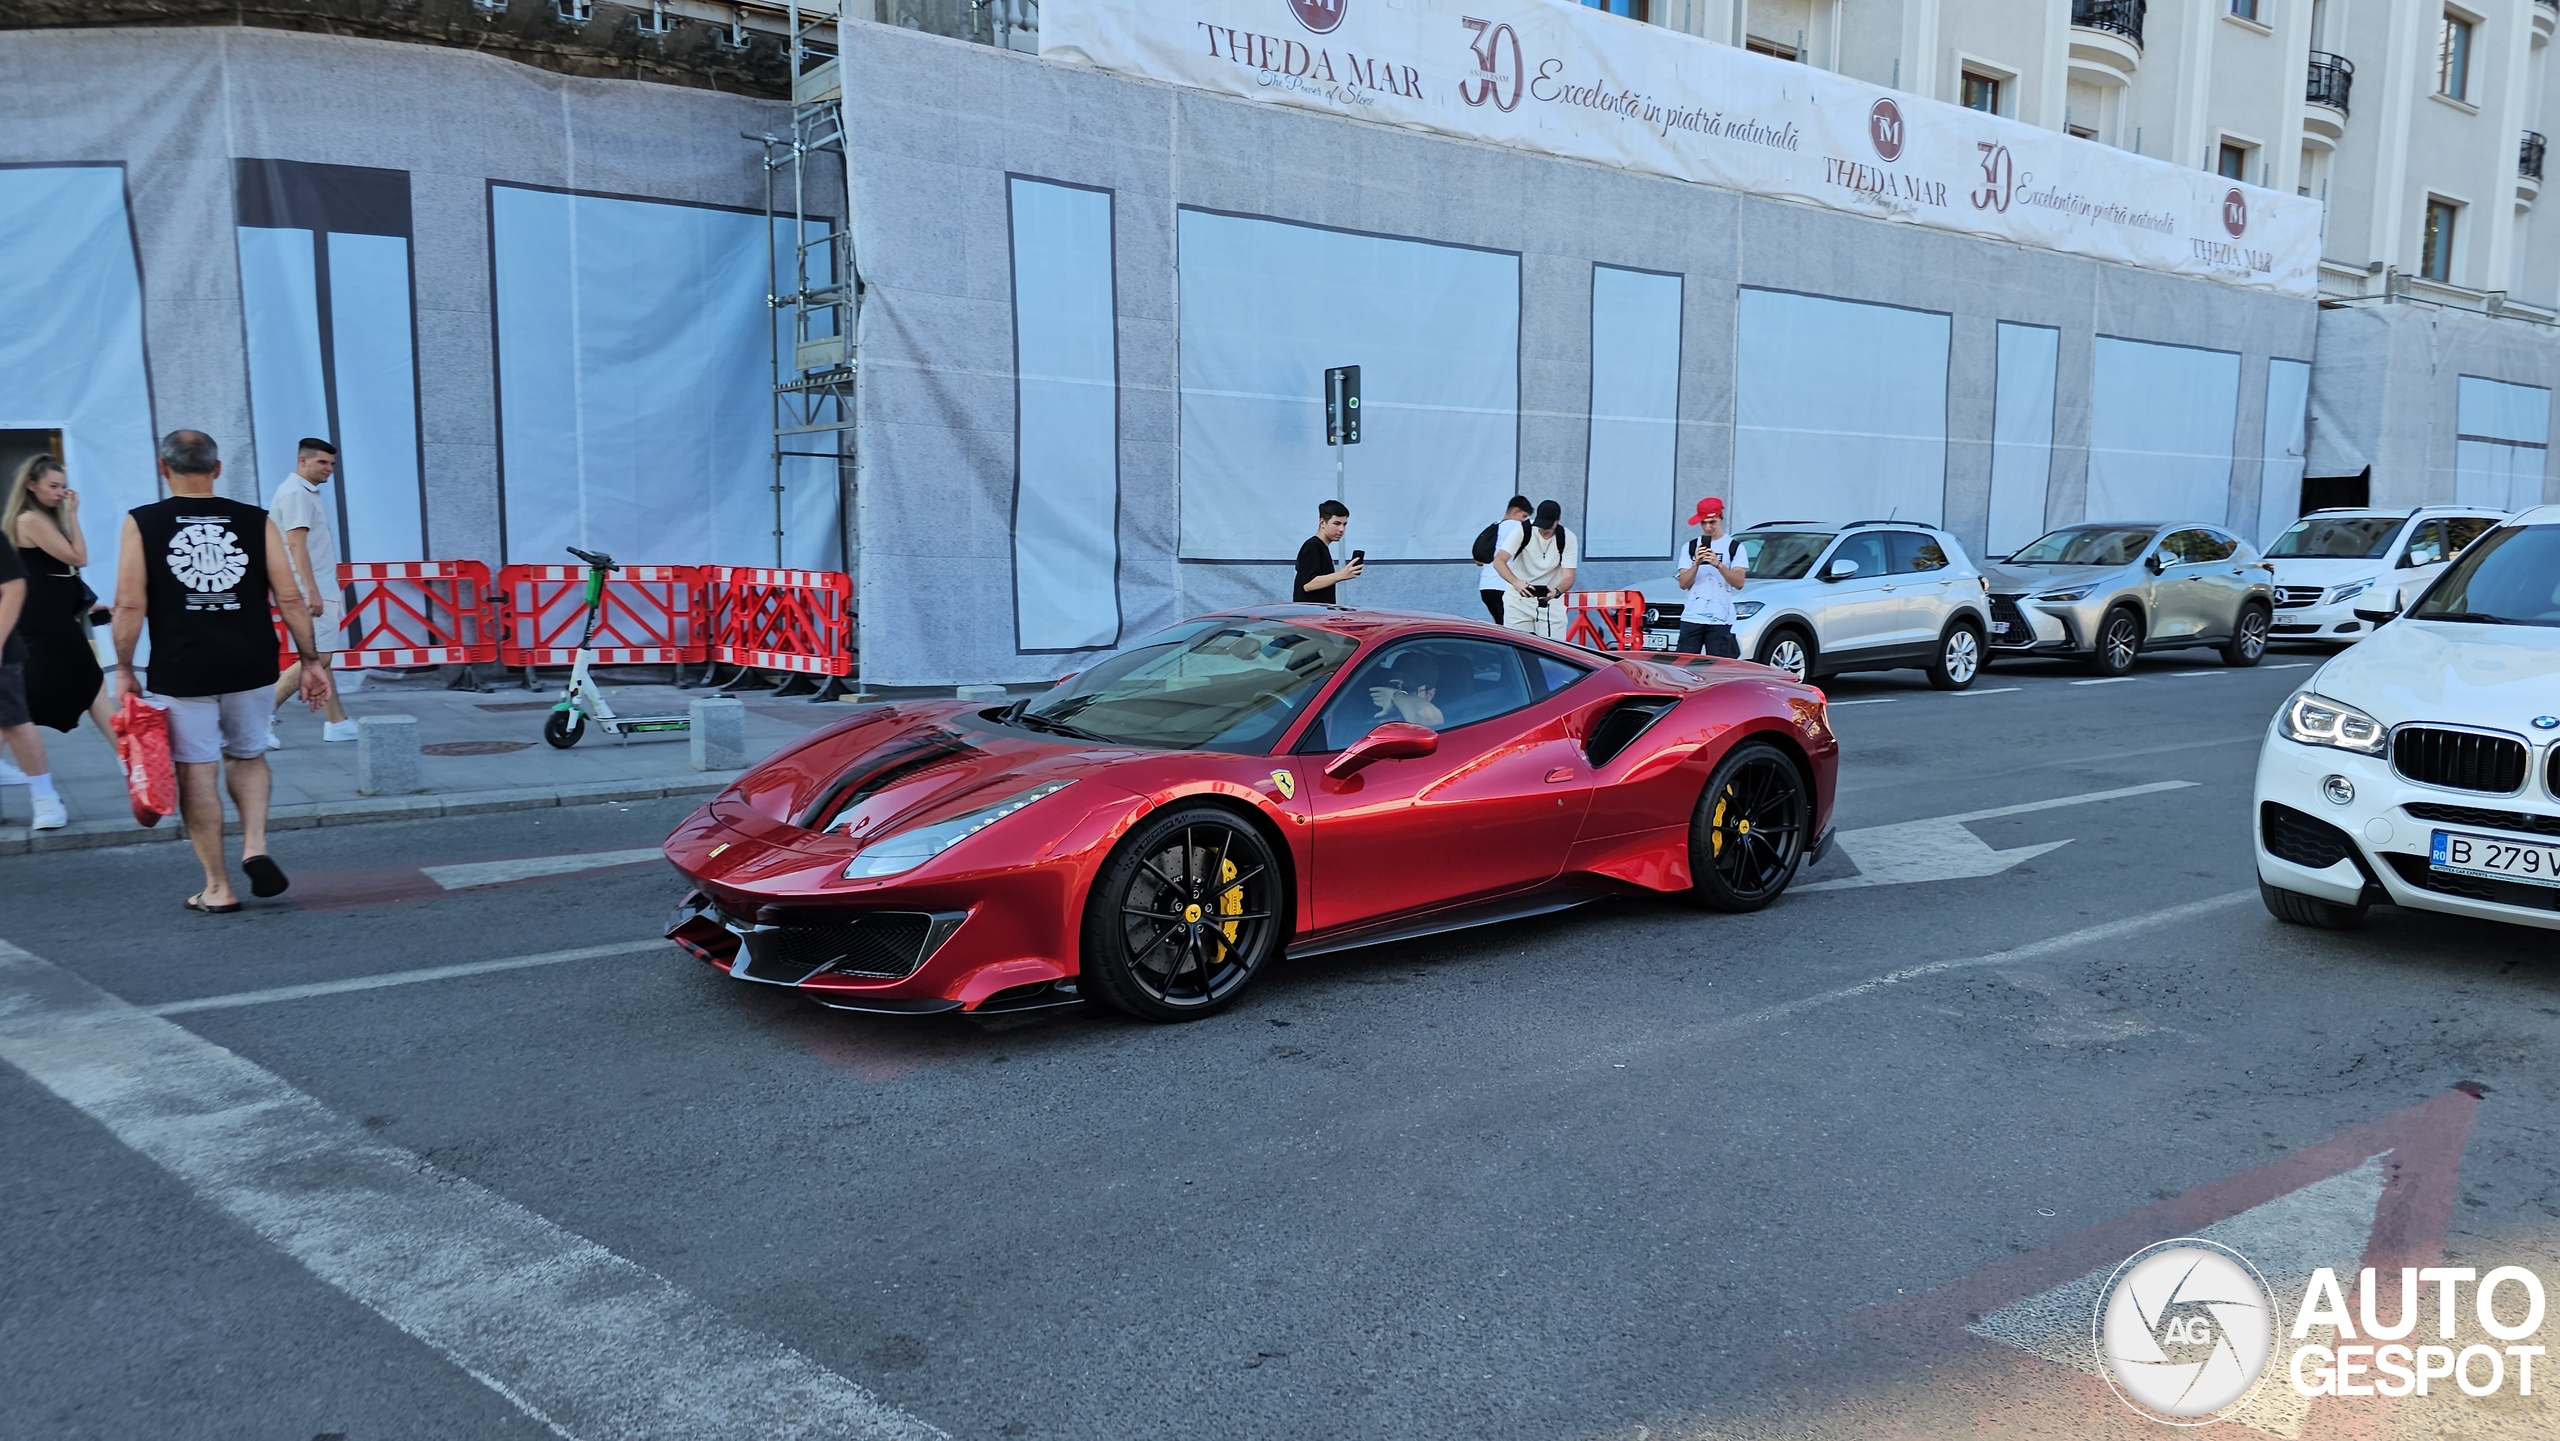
[199, 569]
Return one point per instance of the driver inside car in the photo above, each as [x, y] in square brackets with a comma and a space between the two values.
[1406, 696]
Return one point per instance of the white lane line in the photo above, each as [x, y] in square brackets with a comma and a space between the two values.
[580, 1339]
[1939, 848]
[397, 978]
[1872, 700]
[2224, 671]
[1995, 690]
[2108, 680]
[2292, 665]
[490, 873]
[1685, 1038]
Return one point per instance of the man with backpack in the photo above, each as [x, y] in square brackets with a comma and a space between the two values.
[1537, 559]
[1489, 582]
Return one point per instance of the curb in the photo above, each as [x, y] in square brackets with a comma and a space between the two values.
[94, 835]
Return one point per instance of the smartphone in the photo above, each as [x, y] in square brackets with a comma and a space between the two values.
[1358, 556]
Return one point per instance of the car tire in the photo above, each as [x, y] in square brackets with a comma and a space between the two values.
[1790, 644]
[562, 728]
[2248, 643]
[1150, 947]
[1959, 657]
[1756, 792]
[2118, 641]
[2295, 908]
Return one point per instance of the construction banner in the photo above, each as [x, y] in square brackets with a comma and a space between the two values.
[1568, 80]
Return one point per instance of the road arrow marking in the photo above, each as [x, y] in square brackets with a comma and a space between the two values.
[1941, 849]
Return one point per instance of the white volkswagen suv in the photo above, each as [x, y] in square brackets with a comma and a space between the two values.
[2332, 561]
[2422, 767]
[1818, 600]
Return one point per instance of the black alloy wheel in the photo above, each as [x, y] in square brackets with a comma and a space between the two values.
[563, 728]
[2119, 641]
[2248, 643]
[1790, 650]
[1959, 658]
[1750, 829]
[1182, 915]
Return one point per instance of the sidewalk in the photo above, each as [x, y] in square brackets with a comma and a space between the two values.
[477, 753]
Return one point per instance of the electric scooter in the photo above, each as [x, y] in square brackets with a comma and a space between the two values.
[583, 698]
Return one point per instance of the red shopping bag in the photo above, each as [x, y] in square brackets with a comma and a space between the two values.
[142, 743]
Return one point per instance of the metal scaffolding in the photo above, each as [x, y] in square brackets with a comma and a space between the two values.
[815, 290]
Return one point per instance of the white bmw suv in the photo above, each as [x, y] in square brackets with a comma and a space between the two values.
[2332, 561]
[2422, 767]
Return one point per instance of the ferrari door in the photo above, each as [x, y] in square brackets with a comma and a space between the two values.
[1493, 810]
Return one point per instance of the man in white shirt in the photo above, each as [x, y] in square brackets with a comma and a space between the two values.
[1711, 570]
[1489, 582]
[310, 525]
[1536, 559]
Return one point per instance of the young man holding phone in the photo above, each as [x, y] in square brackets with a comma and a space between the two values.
[1317, 580]
[1711, 570]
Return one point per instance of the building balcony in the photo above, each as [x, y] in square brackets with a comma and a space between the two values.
[2107, 35]
[2529, 156]
[2545, 14]
[2331, 77]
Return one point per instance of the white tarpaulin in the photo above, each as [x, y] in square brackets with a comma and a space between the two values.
[1568, 80]
[1799, 453]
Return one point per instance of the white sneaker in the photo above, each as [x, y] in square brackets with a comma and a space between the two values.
[344, 730]
[10, 775]
[50, 816]
[274, 741]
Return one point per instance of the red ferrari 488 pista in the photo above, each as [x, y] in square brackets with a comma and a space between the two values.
[1153, 831]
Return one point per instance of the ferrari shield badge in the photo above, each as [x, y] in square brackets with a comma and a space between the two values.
[1285, 783]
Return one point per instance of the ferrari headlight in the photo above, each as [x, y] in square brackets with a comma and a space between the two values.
[907, 850]
[2350, 591]
[1746, 609]
[2077, 592]
[2316, 720]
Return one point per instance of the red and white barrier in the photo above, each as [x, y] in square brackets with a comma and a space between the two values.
[788, 620]
[650, 615]
[1606, 619]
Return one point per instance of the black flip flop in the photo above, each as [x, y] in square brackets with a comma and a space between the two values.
[196, 903]
[266, 878]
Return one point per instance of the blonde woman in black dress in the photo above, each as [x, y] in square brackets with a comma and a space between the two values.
[41, 517]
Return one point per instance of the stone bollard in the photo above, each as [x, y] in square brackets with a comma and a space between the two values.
[718, 736]
[980, 692]
[387, 756]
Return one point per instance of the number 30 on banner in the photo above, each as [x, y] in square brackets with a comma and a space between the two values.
[1487, 85]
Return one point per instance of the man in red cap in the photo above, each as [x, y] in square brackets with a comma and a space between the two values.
[1711, 570]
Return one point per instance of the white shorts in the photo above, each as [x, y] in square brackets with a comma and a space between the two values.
[207, 728]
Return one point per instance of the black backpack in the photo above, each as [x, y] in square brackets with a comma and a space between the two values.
[1487, 541]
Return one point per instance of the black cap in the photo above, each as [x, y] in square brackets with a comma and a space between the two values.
[1548, 514]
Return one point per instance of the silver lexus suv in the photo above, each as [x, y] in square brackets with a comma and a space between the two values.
[2107, 592]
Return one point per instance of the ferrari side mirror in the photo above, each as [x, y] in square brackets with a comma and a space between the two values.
[1393, 741]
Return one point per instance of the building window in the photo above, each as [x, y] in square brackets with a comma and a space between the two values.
[1632, 9]
[2245, 9]
[2453, 58]
[2233, 162]
[2435, 243]
[1770, 48]
[1982, 93]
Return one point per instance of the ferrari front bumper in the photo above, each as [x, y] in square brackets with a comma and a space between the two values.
[788, 947]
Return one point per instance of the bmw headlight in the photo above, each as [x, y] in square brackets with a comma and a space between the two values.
[2077, 592]
[907, 850]
[1746, 609]
[2316, 720]
[2350, 591]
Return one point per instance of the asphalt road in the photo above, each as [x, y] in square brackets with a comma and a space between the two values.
[1634, 1171]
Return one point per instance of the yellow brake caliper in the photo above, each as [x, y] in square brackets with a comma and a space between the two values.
[1715, 828]
[1230, 903]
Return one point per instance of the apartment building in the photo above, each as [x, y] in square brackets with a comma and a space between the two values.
[2420, 123]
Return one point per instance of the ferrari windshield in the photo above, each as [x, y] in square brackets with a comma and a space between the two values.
[1781, 554]
[2087, 545]
[2346, 537]
[1210, 685]
[2511, 576]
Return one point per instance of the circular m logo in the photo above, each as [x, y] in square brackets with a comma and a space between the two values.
[2235, 213]
[1319, 16]
[1884, 127]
